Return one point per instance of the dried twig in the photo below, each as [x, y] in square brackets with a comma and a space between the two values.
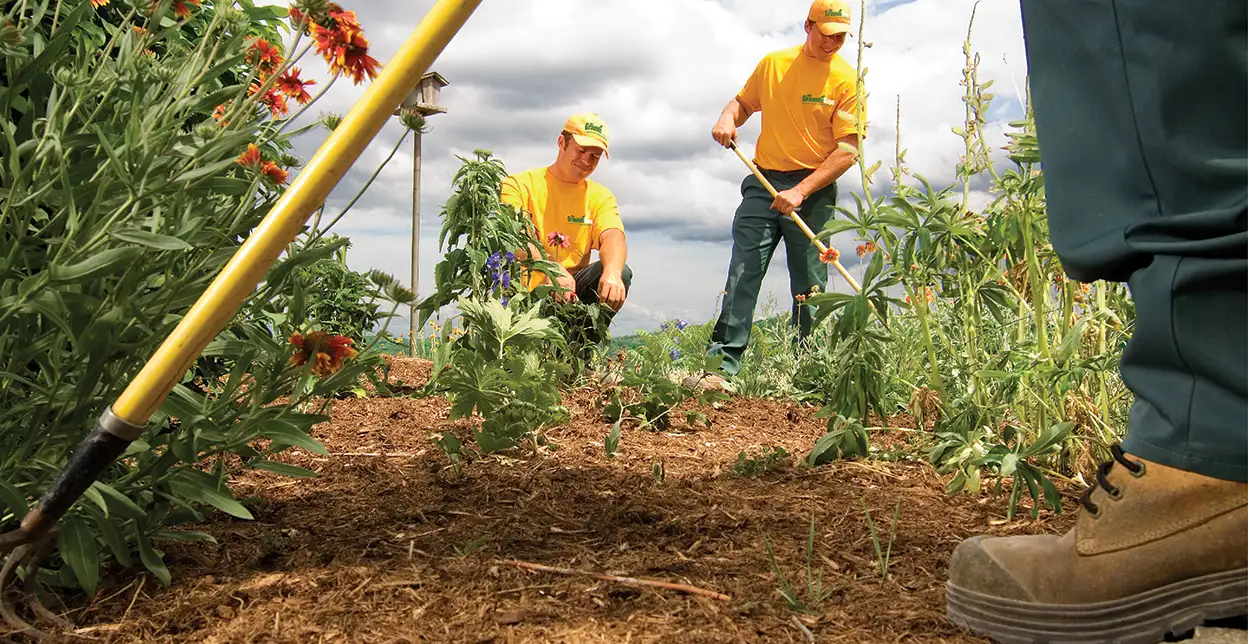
[810, 637]
[684, 588]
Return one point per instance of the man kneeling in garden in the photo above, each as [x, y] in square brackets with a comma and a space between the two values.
[574, 215]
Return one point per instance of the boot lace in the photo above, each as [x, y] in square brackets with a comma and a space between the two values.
[1102, 473]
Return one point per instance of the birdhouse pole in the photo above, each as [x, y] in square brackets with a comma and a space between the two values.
[422, 100]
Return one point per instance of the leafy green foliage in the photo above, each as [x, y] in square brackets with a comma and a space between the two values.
[497, 371]
[123, 200]
[767, 459]
[330, 296]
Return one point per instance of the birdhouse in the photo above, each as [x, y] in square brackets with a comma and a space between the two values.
[424, 97]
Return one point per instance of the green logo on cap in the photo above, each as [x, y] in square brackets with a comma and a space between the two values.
[834, 13]
[596, 128]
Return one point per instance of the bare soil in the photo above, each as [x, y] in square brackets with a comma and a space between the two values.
[391, 544]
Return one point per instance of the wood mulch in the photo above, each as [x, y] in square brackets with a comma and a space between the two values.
[391, 544]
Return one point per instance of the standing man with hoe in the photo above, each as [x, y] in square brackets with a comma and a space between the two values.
[807, 95]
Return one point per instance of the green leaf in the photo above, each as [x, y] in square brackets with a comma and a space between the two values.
[152, 560]
[286, 433]
[13, 499]
[612, 442]
[100, 263]
[490, 443]
[199, 488]
[1071, 342]
[205, 171]
[150, 239]
[78, 548]
[283, 469]
[1008, 463]
[835, 226]
[118, 502]
[112, 536]
[1050, 438]
[93, 495]
[191, 536]
[826, 449]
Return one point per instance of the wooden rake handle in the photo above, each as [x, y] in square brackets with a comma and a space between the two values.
[796, 217]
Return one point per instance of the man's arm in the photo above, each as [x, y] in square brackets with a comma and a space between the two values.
[612, 252]
[830, 170]
[733, 116]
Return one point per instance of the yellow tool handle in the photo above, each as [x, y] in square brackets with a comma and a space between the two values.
[238, 279]
[796, 218]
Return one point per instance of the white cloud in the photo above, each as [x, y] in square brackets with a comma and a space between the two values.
[659, 71]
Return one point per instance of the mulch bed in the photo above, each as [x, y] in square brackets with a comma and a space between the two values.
[392, 544]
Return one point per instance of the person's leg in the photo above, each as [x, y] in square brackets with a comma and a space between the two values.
[587, 292]
[806, 270]
[1141, 116]
[1146, 177]
[755, 234]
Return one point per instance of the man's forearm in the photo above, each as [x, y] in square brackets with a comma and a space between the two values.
[613, 252]
[830, 170]
[736, 111]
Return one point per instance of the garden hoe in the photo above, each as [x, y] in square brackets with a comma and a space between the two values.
[124, 421]
[823, 250]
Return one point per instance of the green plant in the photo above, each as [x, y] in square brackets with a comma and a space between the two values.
[883, 553]
[479, 239]
[611, 444]
[141, 147]
[846, 438]
[330, 295]
[815, 593]
[496, 369]
[767, 459]
[966, 323]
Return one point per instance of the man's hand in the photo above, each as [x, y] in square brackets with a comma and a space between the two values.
[611, 291]
[725, 131]
[566, 281]
[787, 201]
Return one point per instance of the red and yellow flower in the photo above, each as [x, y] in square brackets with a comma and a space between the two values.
[340, 41]
[181, 8]
[830, 255]
[326, 352]
[250, 158]
[264, 55]
[274, 172]
[272, 99]
[291, 85]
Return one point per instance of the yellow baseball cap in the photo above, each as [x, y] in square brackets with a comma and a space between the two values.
[589, 130]
[832, 16]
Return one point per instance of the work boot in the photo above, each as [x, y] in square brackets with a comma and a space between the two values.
[1155, 550]
[707, 380]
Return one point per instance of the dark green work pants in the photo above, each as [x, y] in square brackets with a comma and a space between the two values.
[1141, 112]
[756, 231]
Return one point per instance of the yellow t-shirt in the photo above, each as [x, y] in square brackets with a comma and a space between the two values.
[581, 211]
[799, 98]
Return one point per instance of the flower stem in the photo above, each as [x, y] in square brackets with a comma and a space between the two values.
[363, 189]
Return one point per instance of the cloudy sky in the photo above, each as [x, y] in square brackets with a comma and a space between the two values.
[659, 72]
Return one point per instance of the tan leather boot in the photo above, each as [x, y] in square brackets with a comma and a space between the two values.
[707, 380]
[1155, 550]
